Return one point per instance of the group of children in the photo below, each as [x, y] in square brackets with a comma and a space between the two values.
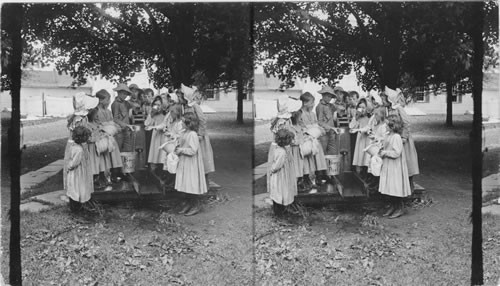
[377, 123]
[179, 144]
[296, 157]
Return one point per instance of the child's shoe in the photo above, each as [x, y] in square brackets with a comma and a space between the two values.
[399, 212]
[185, 208]
[389, 211]
[194, 210]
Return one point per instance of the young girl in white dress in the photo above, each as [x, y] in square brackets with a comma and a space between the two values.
[298, 139]
[378, 127]
[154, 122]
[173, 130]
[282, 179]
[190, 173]
[394, 180]
[281, 121]
[78, 184]
[359, 124]
[191, 98]
[395, 102]
[79, 193]
[314, 163]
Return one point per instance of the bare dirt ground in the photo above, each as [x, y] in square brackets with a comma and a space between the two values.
[354, 245]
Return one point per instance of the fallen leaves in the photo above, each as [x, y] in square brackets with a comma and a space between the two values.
[218, 197]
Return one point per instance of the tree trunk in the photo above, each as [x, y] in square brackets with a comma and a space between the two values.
[16, 14]
[241, 96]
[390, 68]
[183, 34]
[392, 52]
[449, 103]
[476, 143]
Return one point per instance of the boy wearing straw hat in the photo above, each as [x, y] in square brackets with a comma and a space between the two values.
[120, 110]
[327, 118]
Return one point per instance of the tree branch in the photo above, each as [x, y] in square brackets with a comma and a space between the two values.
[369, 48]
[159, 36]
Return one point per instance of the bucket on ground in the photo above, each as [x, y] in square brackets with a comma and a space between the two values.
[128, 159]
[333, 163]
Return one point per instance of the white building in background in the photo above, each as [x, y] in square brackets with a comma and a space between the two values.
[45, 92]
[435, 103]
[267, 92]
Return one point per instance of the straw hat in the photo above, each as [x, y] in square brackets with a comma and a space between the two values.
[122, 87]
[133, 86]
[82, 103]
[337, 88]
[327, 90]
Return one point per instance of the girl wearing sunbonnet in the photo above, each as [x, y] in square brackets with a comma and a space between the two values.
[190, 99]
[395, 102]
[394, 181]
[282, 121]
[81, 105]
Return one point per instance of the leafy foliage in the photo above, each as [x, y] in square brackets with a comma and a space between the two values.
[115, 40]
[391, 43]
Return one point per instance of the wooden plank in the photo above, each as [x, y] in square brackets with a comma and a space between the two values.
[338, 184]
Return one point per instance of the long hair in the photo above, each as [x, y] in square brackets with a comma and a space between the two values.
[296, 117]
[162, 108]
[395, 123]
[191, 121]
[92, 114]
[382, 112]
[177, 110]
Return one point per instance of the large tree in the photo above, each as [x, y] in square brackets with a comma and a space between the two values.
[384, 43]
[442, 54]
[12, 47]
[328, 40]
[173, 41]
